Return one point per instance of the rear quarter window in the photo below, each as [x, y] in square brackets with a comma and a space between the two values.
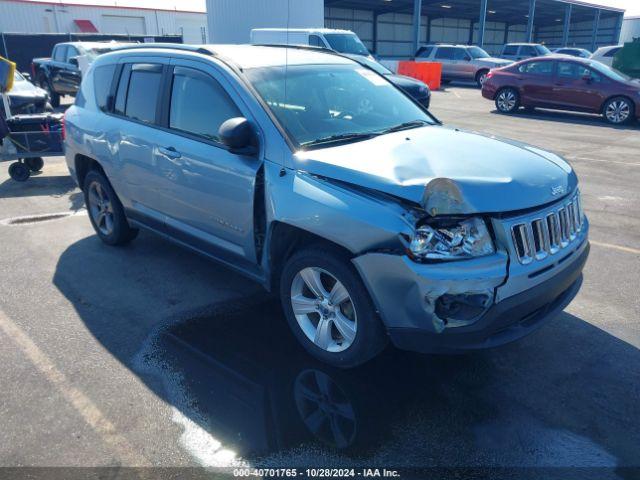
[102, 80]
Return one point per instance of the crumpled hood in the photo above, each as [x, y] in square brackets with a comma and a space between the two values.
[446, 170]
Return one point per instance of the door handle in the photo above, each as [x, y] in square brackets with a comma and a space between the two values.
[170, 152]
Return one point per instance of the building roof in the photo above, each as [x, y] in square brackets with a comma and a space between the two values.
[102, 5]
[510, 11]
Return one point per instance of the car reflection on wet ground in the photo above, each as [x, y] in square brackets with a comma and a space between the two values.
[243, 390]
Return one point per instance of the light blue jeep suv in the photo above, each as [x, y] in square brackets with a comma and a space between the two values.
[316, 177]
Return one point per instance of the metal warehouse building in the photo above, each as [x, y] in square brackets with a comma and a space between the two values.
[24, 16]
[394, 28]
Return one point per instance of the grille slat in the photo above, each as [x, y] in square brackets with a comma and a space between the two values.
[542, 236]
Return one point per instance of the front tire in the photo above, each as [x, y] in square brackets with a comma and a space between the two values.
[481, 77]
[105, 211]
[329, 309]
[508, 100]
[618, 110]
[45, 84]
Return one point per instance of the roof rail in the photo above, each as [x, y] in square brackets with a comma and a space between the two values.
[311, 48]
[167, 46]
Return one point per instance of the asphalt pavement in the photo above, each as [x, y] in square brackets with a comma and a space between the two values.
[149, 355]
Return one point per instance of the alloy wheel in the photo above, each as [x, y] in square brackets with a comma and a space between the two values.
[618, 111]
[325, 409]
[507, 100]
[324, 309]
[101, 208]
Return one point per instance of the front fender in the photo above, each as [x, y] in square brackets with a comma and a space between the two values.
[356, 220]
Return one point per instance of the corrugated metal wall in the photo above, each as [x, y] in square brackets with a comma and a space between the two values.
[231, 21]
[24, 17]
[395, 31]
[630, 29]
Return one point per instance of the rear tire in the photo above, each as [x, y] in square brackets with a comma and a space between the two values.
[318, 323]
[34, 164]
[45, 84]
[105, 211]
[508, 100]
[618, 110]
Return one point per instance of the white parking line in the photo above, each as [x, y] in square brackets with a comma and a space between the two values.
[616, 247]
[76, 398]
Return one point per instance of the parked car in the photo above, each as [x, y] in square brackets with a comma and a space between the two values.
[605, 54]
[461, 62]
[574, 52]
[415, 88]
[522, 51]
[341, 41]
[61, 74]
[560, 82]
[371, 223]
[25, 97]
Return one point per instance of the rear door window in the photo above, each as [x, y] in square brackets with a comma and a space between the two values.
[528, 51]
[138, 91]
[510, 50]
[544, 68]
[199, 104]
[445, 53]
[60, 53]
[424, 52]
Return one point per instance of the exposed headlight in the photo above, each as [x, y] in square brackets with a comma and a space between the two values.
[452, 240]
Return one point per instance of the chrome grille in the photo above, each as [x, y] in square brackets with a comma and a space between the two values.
[548, 233]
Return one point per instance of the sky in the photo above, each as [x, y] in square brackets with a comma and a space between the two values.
[632, 6]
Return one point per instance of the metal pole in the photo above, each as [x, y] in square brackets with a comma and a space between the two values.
[481, 23]
[567, 24]
[596, 26]
[375, 33]
[506, 33]
[417, 19]
[429, 29]
[618, 30]
[532, 15]
[4, 44]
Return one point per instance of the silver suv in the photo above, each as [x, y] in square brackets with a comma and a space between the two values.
[370, 219]
[521, 51]
[461, 62]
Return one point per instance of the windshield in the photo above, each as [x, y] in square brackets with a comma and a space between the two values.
[477, 52]
[94, 52]
[372, 64]
[542, 50]
[610, 72]
[325, 101]
[346, 43]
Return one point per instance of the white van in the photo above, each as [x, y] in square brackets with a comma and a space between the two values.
[342, 41]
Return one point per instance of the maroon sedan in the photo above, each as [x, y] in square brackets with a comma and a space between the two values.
[564, 83]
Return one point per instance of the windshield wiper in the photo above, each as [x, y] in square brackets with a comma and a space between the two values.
[342, 137]
[406, 126]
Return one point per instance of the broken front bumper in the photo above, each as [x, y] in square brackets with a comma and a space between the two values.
[409, 298]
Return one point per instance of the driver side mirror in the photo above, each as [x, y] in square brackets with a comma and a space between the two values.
[587, 78]
[74, 61]
[239, 136]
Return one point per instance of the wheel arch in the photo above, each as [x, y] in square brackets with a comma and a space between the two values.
[83, 165]
[284, 239]
[611, 97]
